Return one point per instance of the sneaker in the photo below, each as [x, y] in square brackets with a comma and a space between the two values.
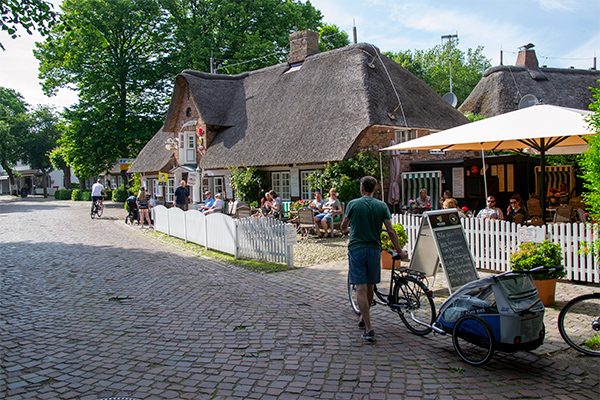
[361, 324]
[369, 336]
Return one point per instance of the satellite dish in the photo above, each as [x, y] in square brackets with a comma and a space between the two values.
[527, 101]
[451, 98]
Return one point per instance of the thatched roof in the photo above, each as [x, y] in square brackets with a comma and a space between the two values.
[314, 114]
[501, 88]
[154, 156]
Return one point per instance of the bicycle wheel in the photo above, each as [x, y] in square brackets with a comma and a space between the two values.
[93, 212]
[473, 340]
[352, 296]
[414, 297]
[100, 210]
[579, 323]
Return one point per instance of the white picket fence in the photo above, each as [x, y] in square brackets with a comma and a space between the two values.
[492, 243]
[263, 239]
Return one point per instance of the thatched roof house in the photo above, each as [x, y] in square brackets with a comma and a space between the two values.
[154, 157]
[503, 87]
[299, 115]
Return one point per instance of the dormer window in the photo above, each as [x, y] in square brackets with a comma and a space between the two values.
[188, 112]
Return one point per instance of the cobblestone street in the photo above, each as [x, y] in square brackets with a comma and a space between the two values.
[93, 309]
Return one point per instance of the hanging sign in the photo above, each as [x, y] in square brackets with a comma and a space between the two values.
[162, 179]
[192, 179]
[443, 230]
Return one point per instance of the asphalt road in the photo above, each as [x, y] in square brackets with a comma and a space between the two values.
[93, 309]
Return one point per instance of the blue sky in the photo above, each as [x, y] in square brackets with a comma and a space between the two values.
[565, 33]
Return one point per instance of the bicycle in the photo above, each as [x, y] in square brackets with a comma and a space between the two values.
[407, 294]
[97, 208]
[579, 323]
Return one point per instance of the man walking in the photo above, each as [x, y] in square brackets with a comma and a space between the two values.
[181, 196]
[363, 219]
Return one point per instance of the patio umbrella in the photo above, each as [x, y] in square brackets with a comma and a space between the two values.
[394, 192]
[546, 129]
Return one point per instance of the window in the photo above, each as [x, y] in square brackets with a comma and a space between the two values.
[214, 184]
[401, 136]
[280, 182]
[158, 190]
[306, 193]
[169, 190]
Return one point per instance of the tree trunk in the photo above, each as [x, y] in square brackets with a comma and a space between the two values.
[67, 177]
[11, 175]
[44, 181]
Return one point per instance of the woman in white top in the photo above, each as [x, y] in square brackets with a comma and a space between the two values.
[217, 207]
[423, 200]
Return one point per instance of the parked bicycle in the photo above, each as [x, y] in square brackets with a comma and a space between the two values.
[407, 295]
[579, 323]
[97, 208]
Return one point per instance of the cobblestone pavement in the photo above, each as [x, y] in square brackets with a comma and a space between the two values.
[94, 309]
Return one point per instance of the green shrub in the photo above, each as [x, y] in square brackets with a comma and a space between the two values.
[120, 195]
[386, 242]
[86, 195]
[531, 255]
[63, 194]
[76, 195]
[109, 194]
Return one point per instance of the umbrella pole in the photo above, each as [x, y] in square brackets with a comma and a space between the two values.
[381, 172]
[543, 178]
[484, 172]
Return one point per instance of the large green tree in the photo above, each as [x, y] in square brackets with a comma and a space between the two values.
[332, 37]
[13, 124]
[433, 67]
[27, 14]
[590, 161]
[239, 35]
[116, 54]
[39, 139]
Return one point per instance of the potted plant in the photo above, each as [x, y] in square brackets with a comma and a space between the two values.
[386, 244]
[531, 255]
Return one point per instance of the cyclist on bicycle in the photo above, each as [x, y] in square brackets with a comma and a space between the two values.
[97, 190]
[363, 220]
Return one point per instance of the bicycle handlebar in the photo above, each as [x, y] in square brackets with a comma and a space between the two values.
[394, 254]
[536, 270]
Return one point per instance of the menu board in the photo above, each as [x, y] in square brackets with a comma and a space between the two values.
[455, 257]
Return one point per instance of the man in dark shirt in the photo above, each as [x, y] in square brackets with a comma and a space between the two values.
[181, 196]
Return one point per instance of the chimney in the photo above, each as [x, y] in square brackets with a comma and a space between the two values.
[527, 57]
[302, 45]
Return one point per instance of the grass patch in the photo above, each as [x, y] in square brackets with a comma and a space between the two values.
[252, 265]
[593, 343]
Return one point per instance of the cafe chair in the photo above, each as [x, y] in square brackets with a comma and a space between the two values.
[536, 221]
[306, 220]
[564, 213]
[534, 207]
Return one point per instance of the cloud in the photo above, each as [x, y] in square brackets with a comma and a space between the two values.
[556, 5]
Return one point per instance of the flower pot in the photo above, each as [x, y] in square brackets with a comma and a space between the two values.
[386, 260]
[546, 290]
[553, 200]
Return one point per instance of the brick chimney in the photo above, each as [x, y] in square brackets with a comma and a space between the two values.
[527, 57]
[302, 45]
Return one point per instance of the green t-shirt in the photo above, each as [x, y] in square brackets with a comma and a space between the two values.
[366, 220]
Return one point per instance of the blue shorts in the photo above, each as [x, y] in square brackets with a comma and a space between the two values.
[327, 216]
[364, 266]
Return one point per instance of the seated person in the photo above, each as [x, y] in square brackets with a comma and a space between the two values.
[208, 203]
[491, 211]
[423, 200]
[276, 205]
[515, 212]
[447, 195]
[332, 205]
[266, 204]
[217, 207]
[450, 204]
[317, 203]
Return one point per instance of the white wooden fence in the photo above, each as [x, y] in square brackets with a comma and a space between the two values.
[264, 239]
[492, 243]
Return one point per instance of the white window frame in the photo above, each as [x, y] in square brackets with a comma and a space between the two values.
[169, 190]
[306, 193]
[404, 135]
[214, 184]
[280, 182]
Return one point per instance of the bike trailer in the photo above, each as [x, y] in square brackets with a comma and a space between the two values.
[508, 304]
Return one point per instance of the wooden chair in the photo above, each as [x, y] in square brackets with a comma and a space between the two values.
[306, 220]
[536, 221]
[564, 213]
[534, 207]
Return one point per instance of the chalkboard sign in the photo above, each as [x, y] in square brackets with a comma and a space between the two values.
[443, 230]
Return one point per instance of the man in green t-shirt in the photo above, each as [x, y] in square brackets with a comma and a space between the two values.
[363, 219]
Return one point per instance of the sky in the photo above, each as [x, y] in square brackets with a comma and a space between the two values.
[565, 33]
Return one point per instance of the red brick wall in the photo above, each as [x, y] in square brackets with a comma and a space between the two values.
[181, 117]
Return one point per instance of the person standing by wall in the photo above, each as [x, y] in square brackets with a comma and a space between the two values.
[363, 220]
[181, 196]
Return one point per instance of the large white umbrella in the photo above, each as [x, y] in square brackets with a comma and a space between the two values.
[546, 129]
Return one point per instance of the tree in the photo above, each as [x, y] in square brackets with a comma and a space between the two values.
[29, 14]
[39, 139]
[331, 37]
[115, 53]
[433, 67]
[12, 126]
[240, 35]
[59, 161]
[590, 162]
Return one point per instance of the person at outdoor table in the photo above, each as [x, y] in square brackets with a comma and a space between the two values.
[317, 203]
[447, 195]
[491, 211]
[332, 205]
[276, 205]
[450, 204]
[208, 203]
[515, 212]
[423, 200]
[217, 206]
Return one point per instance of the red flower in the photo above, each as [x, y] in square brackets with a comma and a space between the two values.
[465, 209]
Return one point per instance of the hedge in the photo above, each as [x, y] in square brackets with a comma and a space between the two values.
[63, 194]
[120, 195]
